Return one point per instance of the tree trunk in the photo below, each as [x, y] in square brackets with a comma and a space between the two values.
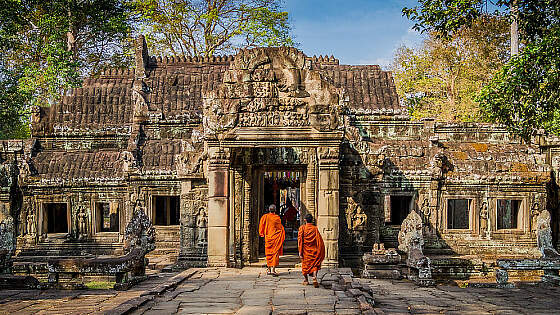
[514, 29]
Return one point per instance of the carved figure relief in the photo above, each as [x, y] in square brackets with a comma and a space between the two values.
[484, 232]
[31, 227]
[271, 87]
[535, 212]
[356, 217]
[202, 227]
[82, 222]
[22, 222]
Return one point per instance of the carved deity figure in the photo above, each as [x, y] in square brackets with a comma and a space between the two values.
[356, 216]
[535, 212]
[426, 212]
[484, 219]
[22, 222]
[31, 223]
[201, 227]
[82, 223]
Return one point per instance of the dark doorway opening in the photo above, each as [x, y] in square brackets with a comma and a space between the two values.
[400, 208]
[57, 217]
[166, 210]
[283, 189]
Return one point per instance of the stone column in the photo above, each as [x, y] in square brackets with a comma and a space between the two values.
[218, 208]
[328, 202]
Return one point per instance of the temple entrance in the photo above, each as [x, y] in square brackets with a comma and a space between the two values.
[283, 188]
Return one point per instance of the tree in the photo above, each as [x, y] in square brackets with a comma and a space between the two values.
[49, 45]
[441, 78]
[208, 27]
[523, 95]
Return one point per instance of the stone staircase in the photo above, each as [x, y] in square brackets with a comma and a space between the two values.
[167, 248]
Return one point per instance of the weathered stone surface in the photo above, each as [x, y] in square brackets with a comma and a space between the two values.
[205, 129]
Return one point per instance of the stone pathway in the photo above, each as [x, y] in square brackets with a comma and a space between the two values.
[87, 301]
[250, 291]
[403, 297]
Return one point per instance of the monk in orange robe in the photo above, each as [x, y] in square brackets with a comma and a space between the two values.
[270, 227]
[311, 250]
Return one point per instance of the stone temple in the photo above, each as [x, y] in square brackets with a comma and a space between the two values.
[208, 143]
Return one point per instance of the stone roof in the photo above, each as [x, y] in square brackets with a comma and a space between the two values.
[87, 167]
[175, 87]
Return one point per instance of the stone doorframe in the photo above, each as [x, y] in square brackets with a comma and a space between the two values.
[224, 188]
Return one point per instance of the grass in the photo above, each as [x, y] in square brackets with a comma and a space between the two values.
[100, 285]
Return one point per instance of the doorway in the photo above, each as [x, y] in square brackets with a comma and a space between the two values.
[283, 188]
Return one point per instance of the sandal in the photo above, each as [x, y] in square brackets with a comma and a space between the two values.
[315, 283]
[274, 274]
[305, 282]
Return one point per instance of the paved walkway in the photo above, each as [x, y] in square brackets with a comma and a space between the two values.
[250, 291]
[403, 297]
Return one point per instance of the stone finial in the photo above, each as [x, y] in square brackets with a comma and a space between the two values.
[141, 56]
[544, 236]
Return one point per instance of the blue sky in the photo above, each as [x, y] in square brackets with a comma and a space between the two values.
[354, 31]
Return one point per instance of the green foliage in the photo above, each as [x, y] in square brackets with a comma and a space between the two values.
[48, 46]
[441, 78]
[208, 27]
[444, 17]
[525, 94]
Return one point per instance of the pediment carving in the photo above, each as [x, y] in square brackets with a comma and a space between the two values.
[271, 87]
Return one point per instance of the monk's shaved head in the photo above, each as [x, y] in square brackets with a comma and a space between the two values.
[309, 218]
[272, 208]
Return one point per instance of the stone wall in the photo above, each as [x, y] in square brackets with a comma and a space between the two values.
[433, 162]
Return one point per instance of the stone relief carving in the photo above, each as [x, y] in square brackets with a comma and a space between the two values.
[328, 153]
[356, 219]
[31, 225]
[202, 227]
[81, 225]
[535, 212]
[22, 222]
[544, 236]
[438, 166]
[484, 220]
[271, 87]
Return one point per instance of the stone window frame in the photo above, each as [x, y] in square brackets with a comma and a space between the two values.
[523, 213]
[41, 229]
[387, 204]
[152, 207]
[95, 228]
[473, 213]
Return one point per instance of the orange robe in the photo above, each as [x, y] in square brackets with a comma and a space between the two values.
[311, 248]
[273, 232]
